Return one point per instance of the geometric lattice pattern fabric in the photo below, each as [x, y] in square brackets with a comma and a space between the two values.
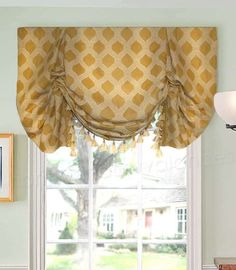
[114, 80]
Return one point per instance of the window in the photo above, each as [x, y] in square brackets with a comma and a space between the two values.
[108, 223]
[114, 214]
[182, 220]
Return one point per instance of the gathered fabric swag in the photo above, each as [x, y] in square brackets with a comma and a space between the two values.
[115, 81]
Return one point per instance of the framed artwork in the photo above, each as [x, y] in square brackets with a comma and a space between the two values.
[6, 167]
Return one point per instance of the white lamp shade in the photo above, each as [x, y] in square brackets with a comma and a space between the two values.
[225, 106]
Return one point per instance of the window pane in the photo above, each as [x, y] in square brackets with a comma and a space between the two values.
[63, 169]
[116, 256]
[168, 170]
[67, 257]
[67, 214]
[164, 257]
[116, 213]
[160, 219]
[118, 169]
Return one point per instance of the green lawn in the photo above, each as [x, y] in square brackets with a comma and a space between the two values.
[123, 261]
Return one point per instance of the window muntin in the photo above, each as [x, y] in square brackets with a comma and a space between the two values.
[146, 194]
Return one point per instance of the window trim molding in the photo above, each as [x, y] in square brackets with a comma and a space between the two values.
[194, 206]
[36, 195]
[36, 192]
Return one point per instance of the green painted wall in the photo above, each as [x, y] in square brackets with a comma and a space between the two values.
[219, 145]
[13, 216]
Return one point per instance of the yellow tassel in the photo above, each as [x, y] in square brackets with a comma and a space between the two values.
[113, 149]
[133, 143]
[159, 152]
[150, 126]
[123, 147]
[155, 138]
[159, 124]
[88, 137]
[140, 139]
[155, 146]
[145, 133]
[94, 142]
[74, 152]
[103, 147]
[157, 132]
[82, 132]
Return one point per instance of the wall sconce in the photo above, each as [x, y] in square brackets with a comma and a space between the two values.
[225, 106]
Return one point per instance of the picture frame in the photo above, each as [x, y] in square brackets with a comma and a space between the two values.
[6, 167]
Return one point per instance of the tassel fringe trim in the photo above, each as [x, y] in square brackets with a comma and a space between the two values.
[121, 147]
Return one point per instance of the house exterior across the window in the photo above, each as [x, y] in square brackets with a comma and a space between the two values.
[159, 217]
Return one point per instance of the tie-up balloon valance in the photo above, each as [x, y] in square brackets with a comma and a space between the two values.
[115, 81]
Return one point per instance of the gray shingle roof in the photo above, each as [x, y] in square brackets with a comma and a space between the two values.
[151, 199]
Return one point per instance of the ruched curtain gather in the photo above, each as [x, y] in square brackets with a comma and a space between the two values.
[115, 80]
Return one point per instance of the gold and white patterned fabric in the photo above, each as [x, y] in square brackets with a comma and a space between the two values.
[114, 80]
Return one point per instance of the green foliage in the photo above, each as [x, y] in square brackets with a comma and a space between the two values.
[61, 264]
[121, 235]
[66, 248]
[105, 236]
[171, 248]
[110, 235]
[72, 225]
[179, 249]
[131, 247]
[129, 170]
[121, 261]
[55, 162]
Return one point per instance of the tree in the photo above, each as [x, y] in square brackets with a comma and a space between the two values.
[102, 161]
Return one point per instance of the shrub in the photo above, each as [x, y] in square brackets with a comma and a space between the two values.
[131, 247]
[66, 248]
[171, 248]
[105, 236]
[121, 235]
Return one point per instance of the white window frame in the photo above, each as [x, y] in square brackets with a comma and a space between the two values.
[36, 172]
